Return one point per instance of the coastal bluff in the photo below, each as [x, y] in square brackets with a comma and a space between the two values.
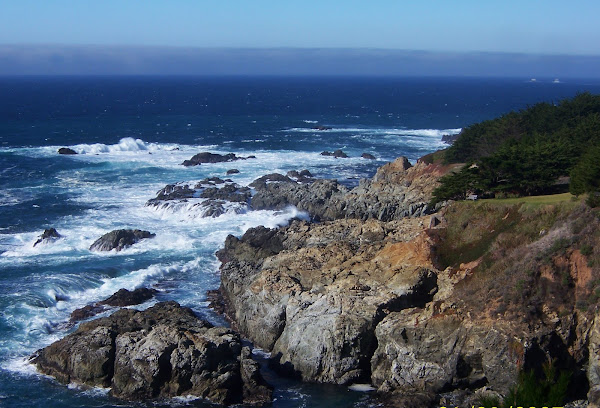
[367, 295]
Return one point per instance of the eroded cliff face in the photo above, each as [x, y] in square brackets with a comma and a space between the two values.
[373, 301]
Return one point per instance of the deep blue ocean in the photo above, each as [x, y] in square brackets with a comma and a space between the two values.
[132, 134]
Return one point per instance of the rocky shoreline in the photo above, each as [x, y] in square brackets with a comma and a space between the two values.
[356, 295]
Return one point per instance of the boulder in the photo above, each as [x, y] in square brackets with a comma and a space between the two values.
[232, 171]
[207, 157]
[66, 150]
[119, 239]
[49, 235]
[368, 156]
[164, 351]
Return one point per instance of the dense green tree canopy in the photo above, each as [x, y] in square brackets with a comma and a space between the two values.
[526, 152]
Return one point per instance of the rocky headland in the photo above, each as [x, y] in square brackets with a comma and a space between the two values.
[454, 306]
[430, 305]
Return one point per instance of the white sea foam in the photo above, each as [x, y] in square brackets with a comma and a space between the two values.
[380, 131]
[361, 387]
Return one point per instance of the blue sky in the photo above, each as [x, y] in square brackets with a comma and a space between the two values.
[521, 26]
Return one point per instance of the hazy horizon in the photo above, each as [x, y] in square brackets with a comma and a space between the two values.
[285, 61]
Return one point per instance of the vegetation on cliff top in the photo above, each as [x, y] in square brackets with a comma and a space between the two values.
[526, 153]
[523, 259]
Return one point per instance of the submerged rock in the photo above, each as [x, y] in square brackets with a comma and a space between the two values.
[66, 150]
[164, 351]
[49, 235]
[120, 239]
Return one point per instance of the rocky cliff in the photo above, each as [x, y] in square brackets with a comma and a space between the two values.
[414, 305]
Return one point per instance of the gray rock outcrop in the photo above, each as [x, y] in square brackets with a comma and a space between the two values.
[396, 191]
[164, 351]
[120, 239]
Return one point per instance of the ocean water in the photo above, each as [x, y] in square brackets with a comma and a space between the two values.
[132, 134]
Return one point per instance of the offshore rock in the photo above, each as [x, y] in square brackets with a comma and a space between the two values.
[368, 156]
[164, 351]
[213, 195]
[49, 235]
[207, 157]
[337, 154]
[66, 150]
[119, 239]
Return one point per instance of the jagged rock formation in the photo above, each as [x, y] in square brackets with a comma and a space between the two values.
[49, 235]
[206, 157]
[119, 239]
[164, 351]
[212, 196]
[398, 190]
[314, 293]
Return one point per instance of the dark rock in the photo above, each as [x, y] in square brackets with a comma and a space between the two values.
[251, 157]
[173, 192]
[255, 390]
[230, 192]
[124, 297]
[164, 351]
[303, 176]
[450, 139]
[321, 127]
[207, 157]
[271, 178]
[368, 156]
[232, 171]
[48, 235]
[119, 239]
[66, 150]
[255, 245]
[86, 312]
[210, 181]
[337, 154]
